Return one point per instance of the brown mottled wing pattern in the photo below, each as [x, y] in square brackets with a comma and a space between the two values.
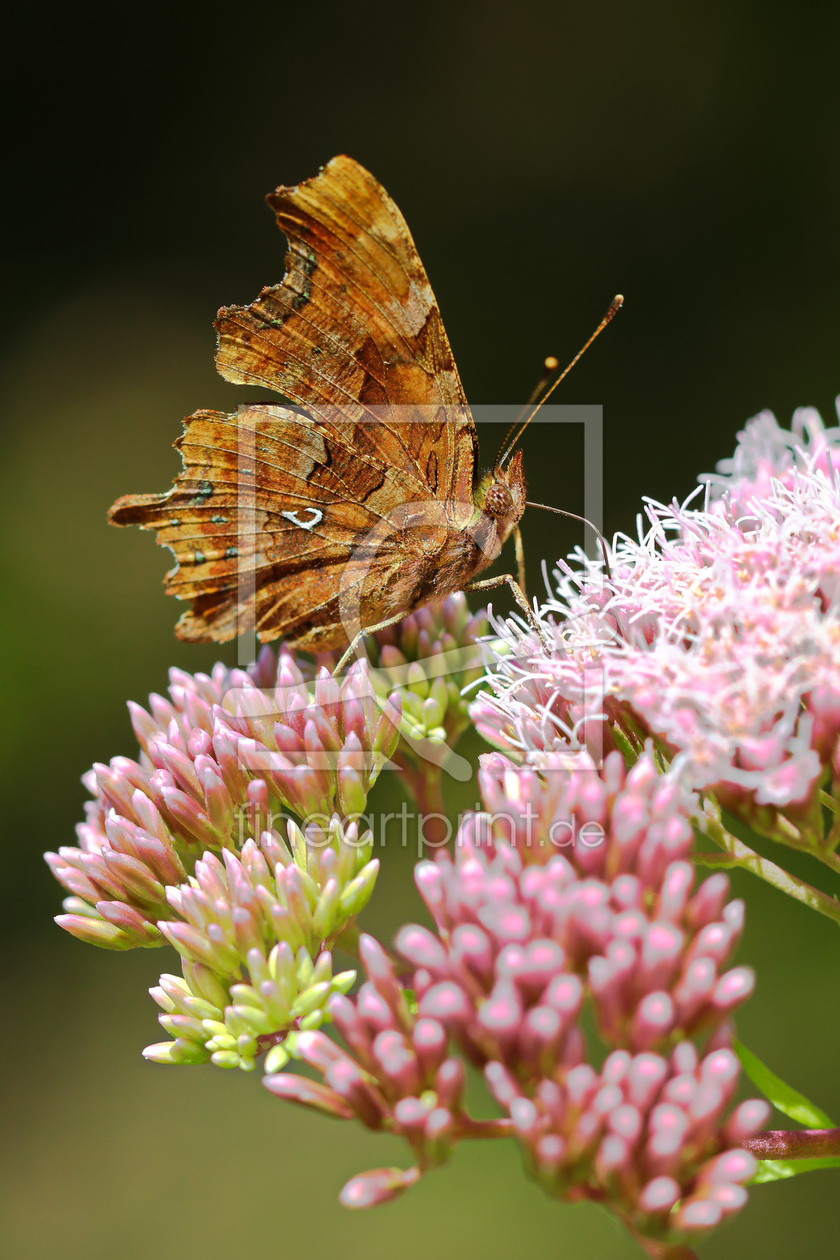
[354, 328]
[271, 519]
[268, 523]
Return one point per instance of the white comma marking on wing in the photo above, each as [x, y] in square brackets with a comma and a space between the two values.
[317, 517]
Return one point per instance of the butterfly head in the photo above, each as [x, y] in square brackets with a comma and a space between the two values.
[501, 495]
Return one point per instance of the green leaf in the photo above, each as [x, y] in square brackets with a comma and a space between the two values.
[787, 1100]
[781, 1169]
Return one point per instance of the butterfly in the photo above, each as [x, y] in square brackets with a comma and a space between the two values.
[363, 499]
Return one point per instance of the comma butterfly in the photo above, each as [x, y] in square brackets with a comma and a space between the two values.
[322, 523]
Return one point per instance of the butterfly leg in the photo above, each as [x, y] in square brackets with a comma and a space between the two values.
[507, 579]
[520, 557]
[357, 639]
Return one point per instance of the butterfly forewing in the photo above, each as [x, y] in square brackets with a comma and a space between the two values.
[354, 325]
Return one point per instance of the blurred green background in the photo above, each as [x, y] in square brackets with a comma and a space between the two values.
[545, 156]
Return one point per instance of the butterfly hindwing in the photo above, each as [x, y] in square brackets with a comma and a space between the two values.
[272, 516]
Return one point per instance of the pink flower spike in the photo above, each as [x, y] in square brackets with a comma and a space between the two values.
[377, 1186]
[747, 1120]
[626, 1122]
[472, 950]
[694, 991]
[668, 1128]
[306, 1093]
[723, 1067]
[345, 1078]
[698, 1215]
[99, 932]
[450, 1083]
[429, 1041]
[655, 1017]
[502, 1084]
[373, 1009]
[525, 1118]
[501, 1014]
[707, 903]
[319, 1051]
[397, 1062]
[662, 953]
[733, 988]
[732, 1166]
[380, 971]
[550, 1153]
[420, 948]
[660, 1195]
[729, 1198]
[446, 1003]
[676, 889]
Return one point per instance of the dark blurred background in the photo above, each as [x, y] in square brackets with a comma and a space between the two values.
[545, 156]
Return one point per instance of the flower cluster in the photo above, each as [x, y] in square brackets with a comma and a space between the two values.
[430, 658]
[253, 933]
[189, 845]
[524, 943]
[220, 762]
[767, 453]
[399, 1076]
[716, 633]
[573, 958]
[435, 653]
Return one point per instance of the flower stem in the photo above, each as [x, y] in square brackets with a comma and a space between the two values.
[486, 1128]
[426, 786]
[829, 802]
[829, 859]
[736, 853]
[785, 833]
[794, 1143]
[663, 1251]
[348, 940]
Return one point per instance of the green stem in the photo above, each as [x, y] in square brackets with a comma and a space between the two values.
[785, 833]
[736, 853]
[829, 802]
[833, 837]
[828, 858]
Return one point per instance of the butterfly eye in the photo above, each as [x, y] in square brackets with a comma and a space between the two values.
[498, 500]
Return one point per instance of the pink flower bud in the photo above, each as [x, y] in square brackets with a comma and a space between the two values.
[419, 947]
[446, 1003]
[450, 1083]
[377, 1186]
[660, 1195]
[308, 1093]
[429, 1041]
[746, 1120]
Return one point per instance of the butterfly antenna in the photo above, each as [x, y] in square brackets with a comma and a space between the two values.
[507, 447]
[550, 366]
[574, 516]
